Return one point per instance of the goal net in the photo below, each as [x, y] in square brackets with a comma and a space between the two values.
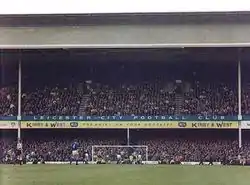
[109, 153]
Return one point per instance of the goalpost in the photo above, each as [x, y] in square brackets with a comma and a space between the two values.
[143, 149]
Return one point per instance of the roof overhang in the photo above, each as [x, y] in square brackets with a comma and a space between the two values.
[152, 30]
[124, 18]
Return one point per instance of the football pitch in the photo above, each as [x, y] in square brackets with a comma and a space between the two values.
[123, 175]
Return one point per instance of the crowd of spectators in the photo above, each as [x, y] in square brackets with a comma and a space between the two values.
[41, 101]
[211, 99]
[189, 148]
[125, 99]
[142, 99]
[8, 99]
[51, 101]
[127, 89]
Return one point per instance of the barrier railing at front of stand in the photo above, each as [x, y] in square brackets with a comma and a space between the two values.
[114, 162]
[119, 122]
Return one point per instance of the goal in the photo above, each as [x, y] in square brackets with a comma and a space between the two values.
[110, 152]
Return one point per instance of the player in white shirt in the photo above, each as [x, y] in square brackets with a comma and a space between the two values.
[131, 159]
[10, 156]
[119, 159]
[139, 159]
[86, 158]
[19, 152]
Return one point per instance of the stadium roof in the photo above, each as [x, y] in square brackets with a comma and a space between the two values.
[128, 18]
[131, 55]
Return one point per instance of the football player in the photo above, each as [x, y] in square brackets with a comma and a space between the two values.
[19, 152]
[75, 152]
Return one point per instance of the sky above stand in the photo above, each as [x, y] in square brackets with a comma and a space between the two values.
[119, 6]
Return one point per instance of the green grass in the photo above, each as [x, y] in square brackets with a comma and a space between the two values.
[123, 175]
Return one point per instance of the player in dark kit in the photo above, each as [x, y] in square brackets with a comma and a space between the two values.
[224, 160]
[75, 152]
[201, 160]
[210, 160]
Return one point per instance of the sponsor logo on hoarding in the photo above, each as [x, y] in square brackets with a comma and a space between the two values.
[74, 124]
[182, 124]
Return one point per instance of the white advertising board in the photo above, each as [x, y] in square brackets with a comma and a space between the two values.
[8, 124]
[245, 124]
